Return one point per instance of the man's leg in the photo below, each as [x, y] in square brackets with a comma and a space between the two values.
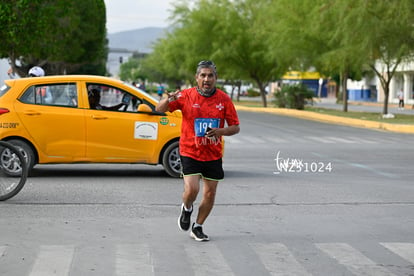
[207, 203]
[191, 189]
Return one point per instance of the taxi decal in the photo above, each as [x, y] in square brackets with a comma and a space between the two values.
[146, 130]
[164, 121]
[9, 125]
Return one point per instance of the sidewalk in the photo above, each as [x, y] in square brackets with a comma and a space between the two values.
[369, 107]
[364, 106]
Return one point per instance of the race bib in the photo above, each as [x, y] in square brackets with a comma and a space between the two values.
[201, 125]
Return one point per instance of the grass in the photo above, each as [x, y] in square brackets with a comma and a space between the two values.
[370, 116]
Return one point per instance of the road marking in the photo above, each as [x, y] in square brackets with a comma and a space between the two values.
[278, 260]
[353, 260]
[53, 260]
[276, 140]
[404, 250]
[358, 165]
[361, 140]
[319, 139]
[133, 259]
[256, 140]
[375, 171]
[232, 140]
[207, 260]
[340, 140]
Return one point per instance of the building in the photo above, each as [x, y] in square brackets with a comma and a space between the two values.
[116, 57]
[370, 89]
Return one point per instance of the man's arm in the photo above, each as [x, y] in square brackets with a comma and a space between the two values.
[162, 105]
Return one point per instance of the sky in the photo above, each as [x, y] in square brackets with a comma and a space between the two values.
[125, 15]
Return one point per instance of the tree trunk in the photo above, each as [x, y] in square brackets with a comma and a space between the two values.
[263, 94]
[386, 94]
[232, 92]
[238, 91]
[344, 90]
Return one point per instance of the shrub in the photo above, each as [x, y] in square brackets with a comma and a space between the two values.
[294, 96]
[252, 93]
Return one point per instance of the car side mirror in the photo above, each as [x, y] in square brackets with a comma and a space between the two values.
[144, 108]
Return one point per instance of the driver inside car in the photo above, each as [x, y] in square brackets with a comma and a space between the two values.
[94, 96]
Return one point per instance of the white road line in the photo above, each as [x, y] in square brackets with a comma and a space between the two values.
[232, 140]
[341, 140]
[207, 260]
[361, 140]
[278, 260]
[404, 250]
[319, 139]
[276, 140]
[53, 260]
[353, 260]
[133, 259]
[256, 140]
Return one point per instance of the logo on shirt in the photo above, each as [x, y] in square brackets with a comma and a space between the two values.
[220, 106]
[196, 105]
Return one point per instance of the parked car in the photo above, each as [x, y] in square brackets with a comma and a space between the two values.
[52, 120]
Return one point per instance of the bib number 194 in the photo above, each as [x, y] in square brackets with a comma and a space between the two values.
[201, 125]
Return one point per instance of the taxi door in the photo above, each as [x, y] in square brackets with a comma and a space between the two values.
[56, 128]
[116, 136]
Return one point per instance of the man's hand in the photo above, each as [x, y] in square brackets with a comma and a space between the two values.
[172, 96]
[162, 105]
[226, 131]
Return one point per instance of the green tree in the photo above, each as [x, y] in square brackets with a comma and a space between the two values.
[242, 44]
[346, 37]
[385, 35]
[232, 39]
[339, 55]
[90, 52]
[60, 36]
[305, 37]
[165, 63]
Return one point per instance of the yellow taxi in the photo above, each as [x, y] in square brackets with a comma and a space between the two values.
[87, 119]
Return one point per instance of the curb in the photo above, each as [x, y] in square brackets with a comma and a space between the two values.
[330, 119]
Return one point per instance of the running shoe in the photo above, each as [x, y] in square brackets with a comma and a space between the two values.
[197, 234]
[184, 220]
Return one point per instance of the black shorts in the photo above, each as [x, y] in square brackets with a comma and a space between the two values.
[211, 170]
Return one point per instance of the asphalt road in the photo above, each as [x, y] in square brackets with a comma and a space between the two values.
[300, 198]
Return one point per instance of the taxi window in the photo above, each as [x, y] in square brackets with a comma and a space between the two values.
[60, 94]
[3, 90]
[110, 98]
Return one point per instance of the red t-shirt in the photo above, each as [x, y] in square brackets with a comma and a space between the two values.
[200, 112]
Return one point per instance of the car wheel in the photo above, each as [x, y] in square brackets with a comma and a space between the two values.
[171, 160]
[27, 152]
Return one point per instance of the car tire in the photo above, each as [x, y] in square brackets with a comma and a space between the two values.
[171, 160]
[26, 151]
